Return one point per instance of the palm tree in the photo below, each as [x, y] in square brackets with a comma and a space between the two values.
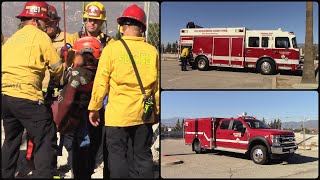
[308, 75]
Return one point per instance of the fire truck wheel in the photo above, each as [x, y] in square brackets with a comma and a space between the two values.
[259, 154]
[202, 64]
[197, 147]
[266, 67]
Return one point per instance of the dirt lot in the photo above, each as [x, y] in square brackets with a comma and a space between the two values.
[63, 169]
[218, 164]
[223, 78]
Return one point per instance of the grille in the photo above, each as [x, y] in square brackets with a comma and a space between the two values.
[287, 140]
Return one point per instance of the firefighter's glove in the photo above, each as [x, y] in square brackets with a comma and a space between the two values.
[64, 50]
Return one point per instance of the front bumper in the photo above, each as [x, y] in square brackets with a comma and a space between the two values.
[283, 150]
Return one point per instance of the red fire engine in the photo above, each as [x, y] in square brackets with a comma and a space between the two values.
[265, 50]
[244, 134]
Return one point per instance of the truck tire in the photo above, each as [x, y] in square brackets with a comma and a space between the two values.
[266, 66]
[197, 147]
[202, 64]
[259, 154]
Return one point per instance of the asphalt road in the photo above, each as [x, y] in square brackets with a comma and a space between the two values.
[218, 164]
[218, 78]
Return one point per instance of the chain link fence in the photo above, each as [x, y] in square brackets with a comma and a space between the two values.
[171, 135]
[153, 27]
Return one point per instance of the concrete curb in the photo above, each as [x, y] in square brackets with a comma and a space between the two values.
[274, 82]
[305, 86]
[169, 161]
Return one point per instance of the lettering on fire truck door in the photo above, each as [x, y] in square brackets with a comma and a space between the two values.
[238, 138]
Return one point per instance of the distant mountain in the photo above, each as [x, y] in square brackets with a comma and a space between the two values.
[294, 125]
[170, 122]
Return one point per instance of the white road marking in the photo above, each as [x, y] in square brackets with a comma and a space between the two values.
[175, 79]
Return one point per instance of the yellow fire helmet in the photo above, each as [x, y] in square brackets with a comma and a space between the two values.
[95, 10]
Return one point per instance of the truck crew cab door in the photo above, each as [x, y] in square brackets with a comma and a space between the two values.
[239, 135]
[222, 134]
[283, 51]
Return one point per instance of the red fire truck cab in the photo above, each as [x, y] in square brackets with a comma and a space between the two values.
[244, 134]
[265, 50]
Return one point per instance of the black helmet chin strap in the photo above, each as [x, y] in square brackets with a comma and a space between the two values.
[39, 26]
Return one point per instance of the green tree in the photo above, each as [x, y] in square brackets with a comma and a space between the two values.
[182, 124]
[162, 49]
[168, 48]
[279, 124]
[308, 75]
[308, 131]
[175, 47]
[264, 121]
[178, 126]
[273, 124]
[153, 34]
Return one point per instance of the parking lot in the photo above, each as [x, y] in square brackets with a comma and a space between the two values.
[223, 78]
[218, 164]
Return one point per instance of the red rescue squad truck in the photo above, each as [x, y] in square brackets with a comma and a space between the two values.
[244, 134]
[265, 50]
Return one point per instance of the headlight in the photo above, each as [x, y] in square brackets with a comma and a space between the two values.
[275, 139]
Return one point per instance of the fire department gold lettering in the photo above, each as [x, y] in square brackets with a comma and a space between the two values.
[142, 58]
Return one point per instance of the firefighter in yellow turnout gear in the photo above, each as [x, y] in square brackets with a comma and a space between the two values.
[25, 57]
[93, 19]
[184, 55]
[116, 78]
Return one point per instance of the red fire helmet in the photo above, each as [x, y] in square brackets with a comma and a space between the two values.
[32, 9]
[133, 12]
[53, 14]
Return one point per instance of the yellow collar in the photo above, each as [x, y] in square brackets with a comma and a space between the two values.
[133, 38]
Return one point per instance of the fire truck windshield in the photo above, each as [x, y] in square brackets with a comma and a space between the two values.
[257, 124]
[294, 43]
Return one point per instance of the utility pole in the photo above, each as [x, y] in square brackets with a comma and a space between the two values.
[183, 129]
[147, 11]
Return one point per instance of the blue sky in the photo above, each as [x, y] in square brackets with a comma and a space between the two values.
[290, 16]
[287, 105]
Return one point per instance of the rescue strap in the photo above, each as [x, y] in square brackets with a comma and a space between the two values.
[65, 31]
